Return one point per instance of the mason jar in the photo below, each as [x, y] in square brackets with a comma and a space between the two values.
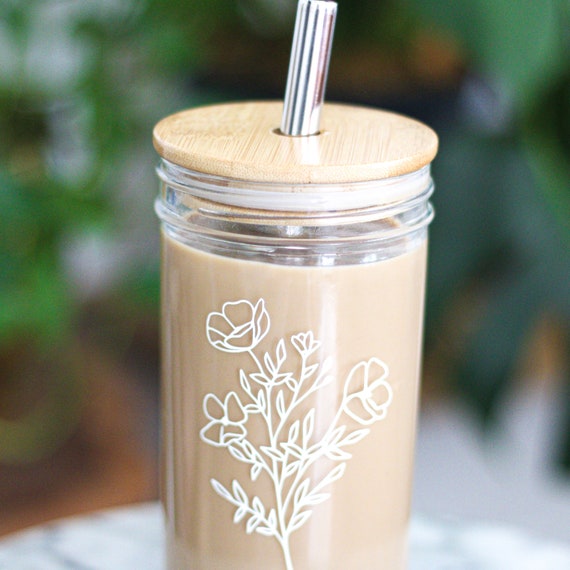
[293, 277]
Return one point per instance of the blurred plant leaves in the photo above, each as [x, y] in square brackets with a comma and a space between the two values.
[52, 418]
[519, 45]
[504, 193]
[522, 47]
[493, 350]
[546, 134]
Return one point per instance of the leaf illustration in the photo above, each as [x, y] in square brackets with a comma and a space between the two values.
[315, 448]
[308, 426]
[337, 454]
[291, 468]
[252, 524]
[336, 434]
[259, 377]
[293, 449]
[221, 490]
[244, 382]
[239, 493]
[321, 381]
[234, 452]
[281, 378]
[324, 378]
[239, 514]
[298, 521]
[281, 353]
[261, 400]
[291, 383]
[269, 364]
[270, 526]
[315, 498]
[300, 493]
[294, 432]
[258, 506]
[280, 403]
[332, 476]
[249, 449]
[272, 452]
[354, 437]
[255, 471]
[310, 370]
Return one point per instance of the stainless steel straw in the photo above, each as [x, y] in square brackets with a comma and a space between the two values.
[308, 68]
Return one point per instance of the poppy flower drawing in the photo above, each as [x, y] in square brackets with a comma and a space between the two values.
[239, 327]
[227, 420]
[367, 393]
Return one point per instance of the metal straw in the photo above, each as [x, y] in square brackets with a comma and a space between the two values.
[308, 68]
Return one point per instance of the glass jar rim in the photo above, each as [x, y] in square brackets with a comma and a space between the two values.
[286, 197]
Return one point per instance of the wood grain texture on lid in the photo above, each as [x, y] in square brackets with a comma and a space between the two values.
[242, 141]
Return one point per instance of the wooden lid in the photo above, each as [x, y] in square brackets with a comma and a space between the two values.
[242, 141]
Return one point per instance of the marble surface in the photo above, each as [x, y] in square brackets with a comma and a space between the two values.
[131, 538]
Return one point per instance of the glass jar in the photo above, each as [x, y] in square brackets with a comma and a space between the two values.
[292, 326]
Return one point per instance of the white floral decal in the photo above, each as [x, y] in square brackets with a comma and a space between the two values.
[224, 333]
[227, 420]
[272, 395]
[367, 393]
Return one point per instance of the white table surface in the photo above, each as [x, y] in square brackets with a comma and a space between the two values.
[131, 538]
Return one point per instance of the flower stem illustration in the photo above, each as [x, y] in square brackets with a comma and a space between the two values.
[271, 397]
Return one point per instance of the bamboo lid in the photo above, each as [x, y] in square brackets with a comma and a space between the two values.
[242, 141]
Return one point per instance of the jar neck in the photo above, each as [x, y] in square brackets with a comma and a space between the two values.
[346, 223]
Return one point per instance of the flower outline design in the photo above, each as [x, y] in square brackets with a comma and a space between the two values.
[305, 343]
[367, 392]
[227, 420]
[239, 327]
[274, 399]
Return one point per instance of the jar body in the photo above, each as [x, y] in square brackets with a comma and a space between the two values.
[290, 387]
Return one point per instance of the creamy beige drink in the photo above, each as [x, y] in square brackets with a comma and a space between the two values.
[289, 406]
